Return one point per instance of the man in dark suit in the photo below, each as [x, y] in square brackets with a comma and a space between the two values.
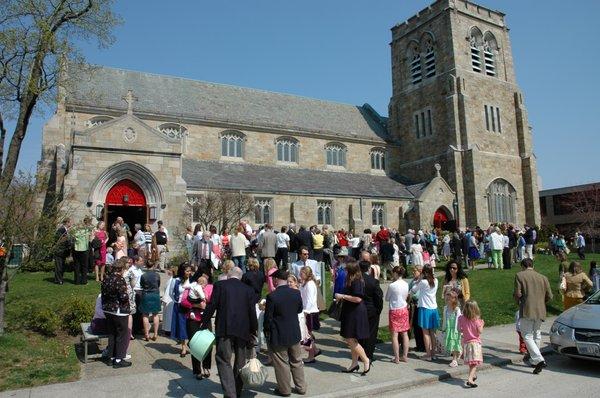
[305, 238]
[282, 331]
[201, 256]
[235, 328]
[374, 302]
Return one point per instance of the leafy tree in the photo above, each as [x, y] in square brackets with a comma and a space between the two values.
[37, 39]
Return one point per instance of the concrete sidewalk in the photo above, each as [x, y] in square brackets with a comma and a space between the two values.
[159, 371]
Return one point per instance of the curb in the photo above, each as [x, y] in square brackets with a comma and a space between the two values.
[395, 386]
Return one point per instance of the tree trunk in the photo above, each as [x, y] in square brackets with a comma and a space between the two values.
[3, 287]
[16, 141]
[2, 138]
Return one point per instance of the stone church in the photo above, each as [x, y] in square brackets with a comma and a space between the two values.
[456, 148]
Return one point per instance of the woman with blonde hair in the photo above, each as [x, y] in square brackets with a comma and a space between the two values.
[227, 266]
[308, 290]
[270, 269]
[576, 283]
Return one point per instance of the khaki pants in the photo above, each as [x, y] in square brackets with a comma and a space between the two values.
[288, 360]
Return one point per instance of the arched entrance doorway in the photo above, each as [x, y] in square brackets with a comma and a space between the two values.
[126, 199]
[442, 219]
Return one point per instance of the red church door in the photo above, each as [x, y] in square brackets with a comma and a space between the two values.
[126, 199]
[440, 217]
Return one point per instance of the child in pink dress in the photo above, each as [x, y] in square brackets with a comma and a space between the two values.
[470, 325]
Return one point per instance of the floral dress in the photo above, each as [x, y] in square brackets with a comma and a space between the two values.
[452, 341]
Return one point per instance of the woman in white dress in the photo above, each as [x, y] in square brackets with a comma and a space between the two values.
[167, 301]
[416, 251]
[446, 247]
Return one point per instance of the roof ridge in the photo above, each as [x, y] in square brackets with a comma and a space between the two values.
[230, 86]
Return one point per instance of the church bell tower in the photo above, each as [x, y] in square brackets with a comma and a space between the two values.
[455, 102]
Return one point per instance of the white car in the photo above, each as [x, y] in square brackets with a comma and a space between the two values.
[576, 332]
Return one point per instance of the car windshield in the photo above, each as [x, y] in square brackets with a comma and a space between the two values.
[594, 298]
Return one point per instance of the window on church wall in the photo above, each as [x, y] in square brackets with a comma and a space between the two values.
[378, 214]
[287, 150]
[232, 145]
[172, 130]
[194, 208]
[97, 121]
[335, 155]
[324, 212]
[263, 209]
[501, 201]
[423, 123]
[492, 118]
[475, 41]
[489, 50]
[378, 159]
[429, 58]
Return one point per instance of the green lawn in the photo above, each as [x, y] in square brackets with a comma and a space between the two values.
[27, 358]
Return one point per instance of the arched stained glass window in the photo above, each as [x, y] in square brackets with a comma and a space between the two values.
[501, 201]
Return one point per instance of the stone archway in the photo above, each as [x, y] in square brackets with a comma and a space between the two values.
[441, 217]
[138, 175]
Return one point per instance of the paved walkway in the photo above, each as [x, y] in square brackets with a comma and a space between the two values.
[159, 371]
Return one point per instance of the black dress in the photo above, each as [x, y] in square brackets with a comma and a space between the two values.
[354, 320]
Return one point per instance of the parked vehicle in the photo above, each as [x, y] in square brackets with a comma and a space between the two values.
[576, 332]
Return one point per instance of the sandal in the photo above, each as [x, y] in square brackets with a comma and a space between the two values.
[154, 338]
[471, 385]
[146, 338]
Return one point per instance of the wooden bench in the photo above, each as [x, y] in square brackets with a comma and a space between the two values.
[87, 336]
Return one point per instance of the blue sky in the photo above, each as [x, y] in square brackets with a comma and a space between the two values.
[338, 50]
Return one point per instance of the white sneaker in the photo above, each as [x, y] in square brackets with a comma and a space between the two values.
[127, 357]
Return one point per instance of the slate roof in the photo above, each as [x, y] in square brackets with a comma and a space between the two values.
[200, 174]
[104, 87]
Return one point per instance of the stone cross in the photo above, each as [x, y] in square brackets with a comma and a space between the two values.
[437, 168]
[129, 98]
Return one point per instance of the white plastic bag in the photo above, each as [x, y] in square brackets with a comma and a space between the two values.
[254, 373]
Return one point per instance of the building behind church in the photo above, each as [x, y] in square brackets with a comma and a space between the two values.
[456, 148]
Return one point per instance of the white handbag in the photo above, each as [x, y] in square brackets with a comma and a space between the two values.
[254, 373]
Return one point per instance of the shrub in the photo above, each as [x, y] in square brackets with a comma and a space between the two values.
[44, 320]
[75, 311]
[177, 259]
[38, 266]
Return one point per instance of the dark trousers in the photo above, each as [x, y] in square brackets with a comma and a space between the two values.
[369, 344]
[197, 366]
[231, 381]
[417, 331]
[59, 268]
[81, 263]
[118, 335]
[581, 252]
[138, 322]
[281, 258]
[506, 260]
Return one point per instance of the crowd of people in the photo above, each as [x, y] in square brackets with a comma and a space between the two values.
[225, 275]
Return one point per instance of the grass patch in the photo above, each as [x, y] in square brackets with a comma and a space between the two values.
[27, 358]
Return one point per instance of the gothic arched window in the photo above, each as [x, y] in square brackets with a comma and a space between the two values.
[490, 47]
[378, 159]
[501, 198]
[335, 154]
[428, 44]
[263, 210]
[172, 130]
[414, 67]
[232, 144]
[475, 40]
[287, 150]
